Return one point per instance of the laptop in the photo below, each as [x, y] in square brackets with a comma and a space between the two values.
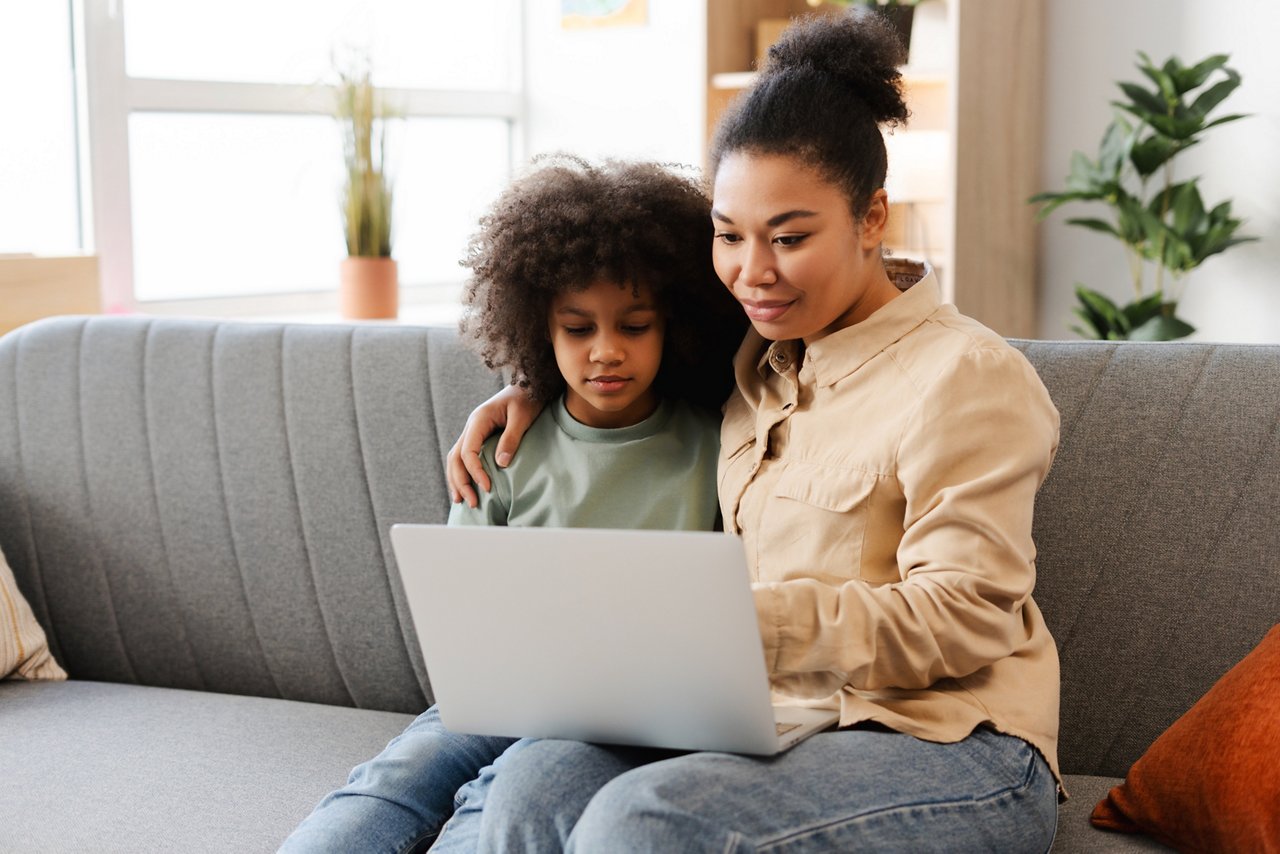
[620, 637]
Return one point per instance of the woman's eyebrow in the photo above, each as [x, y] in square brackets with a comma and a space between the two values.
[773, 221]
[789, 215]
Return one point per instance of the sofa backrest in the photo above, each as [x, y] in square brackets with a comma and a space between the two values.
[205, 505]
[1157, 533]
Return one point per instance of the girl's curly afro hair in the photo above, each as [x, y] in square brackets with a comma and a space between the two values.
[569, 224]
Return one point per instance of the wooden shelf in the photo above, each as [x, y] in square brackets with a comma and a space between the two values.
[36, 286]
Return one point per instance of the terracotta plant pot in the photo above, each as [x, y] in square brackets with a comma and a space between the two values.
[368, 288]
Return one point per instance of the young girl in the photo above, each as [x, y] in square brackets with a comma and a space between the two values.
[879, 456]
[592, 286]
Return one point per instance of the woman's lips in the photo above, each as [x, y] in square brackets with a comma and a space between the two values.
[766, 312]
[608, 384]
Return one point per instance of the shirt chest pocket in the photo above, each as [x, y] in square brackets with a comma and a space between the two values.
[816, 523]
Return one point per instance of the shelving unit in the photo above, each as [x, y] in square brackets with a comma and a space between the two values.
[961, 169]
[36, 286]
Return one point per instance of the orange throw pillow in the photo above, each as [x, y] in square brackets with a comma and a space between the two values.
[1211, 781]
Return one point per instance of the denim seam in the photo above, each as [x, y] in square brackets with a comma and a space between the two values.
[935, 808]
[939, 806]
[415, 840]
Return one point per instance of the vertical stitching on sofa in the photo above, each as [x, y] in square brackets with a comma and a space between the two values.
[1063, 442]
[302, 528]
[1088, 398]
[1244, 487]
[436, 416]
[155, 498]
[1173, 428]
[373, 509]
[226, 509]
[88, 503]
[51, 634]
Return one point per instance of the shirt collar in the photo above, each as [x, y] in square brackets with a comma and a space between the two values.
[839, 354]
[575, 429]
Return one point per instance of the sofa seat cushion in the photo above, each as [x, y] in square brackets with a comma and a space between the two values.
[1076, 834]
[95, 766]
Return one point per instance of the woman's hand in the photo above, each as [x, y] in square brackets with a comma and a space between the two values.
[510, 409]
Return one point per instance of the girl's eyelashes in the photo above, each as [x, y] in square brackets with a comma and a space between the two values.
[727, 237]
[630, 329]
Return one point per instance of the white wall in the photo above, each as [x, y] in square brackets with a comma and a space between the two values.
[1090, 45]
[632, 92]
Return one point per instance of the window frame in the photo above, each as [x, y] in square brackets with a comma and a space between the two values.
[107, 96]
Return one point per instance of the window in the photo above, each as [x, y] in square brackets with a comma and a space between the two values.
[217, 163]
[39, 203]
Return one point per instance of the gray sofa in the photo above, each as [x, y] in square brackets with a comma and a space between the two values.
[198, 515]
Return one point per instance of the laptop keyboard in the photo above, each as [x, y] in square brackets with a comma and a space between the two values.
[783, 729]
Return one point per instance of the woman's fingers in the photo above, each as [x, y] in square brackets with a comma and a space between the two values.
[510, 409]
[520, 415]
[459, 480]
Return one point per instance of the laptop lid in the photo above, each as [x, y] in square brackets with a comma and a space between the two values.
[628, 637]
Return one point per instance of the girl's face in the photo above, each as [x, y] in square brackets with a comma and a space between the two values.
[608, 346]
[788, 248]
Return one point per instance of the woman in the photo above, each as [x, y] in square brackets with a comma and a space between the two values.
[879, 458]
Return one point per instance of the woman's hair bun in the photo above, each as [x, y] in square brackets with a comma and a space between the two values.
[858, 46]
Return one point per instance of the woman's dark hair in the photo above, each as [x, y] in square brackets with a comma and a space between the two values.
[827, 87]
[569, 224]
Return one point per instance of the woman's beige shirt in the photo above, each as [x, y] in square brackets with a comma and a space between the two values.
[882, 481]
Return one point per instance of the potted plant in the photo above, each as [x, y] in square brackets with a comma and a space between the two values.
[899, 13]
[1161, 223]
[368, 279]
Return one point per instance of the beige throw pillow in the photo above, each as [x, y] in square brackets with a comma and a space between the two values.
[24, 651]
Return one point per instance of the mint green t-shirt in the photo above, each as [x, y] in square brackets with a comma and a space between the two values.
[658, 474]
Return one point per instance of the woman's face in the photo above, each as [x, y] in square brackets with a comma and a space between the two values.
[788, 248]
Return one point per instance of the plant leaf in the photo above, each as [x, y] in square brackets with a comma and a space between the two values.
[1141, 310]
[1095, 225]
[1214, 95]
[1116, 142]
[1103, 314]
[1144, 98]
[1153, 152]
[1190, 78]
[1188, 208]
[1162, 328]
[1222, 121]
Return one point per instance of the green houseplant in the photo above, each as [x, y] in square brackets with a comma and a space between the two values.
[369, 286]
[1162, 223]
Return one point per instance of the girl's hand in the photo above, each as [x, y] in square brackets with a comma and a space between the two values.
[510, 409]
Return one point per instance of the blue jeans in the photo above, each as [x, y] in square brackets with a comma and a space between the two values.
[398, 801]
[859, 789]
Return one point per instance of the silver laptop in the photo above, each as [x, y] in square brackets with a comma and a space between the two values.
[622, 637]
